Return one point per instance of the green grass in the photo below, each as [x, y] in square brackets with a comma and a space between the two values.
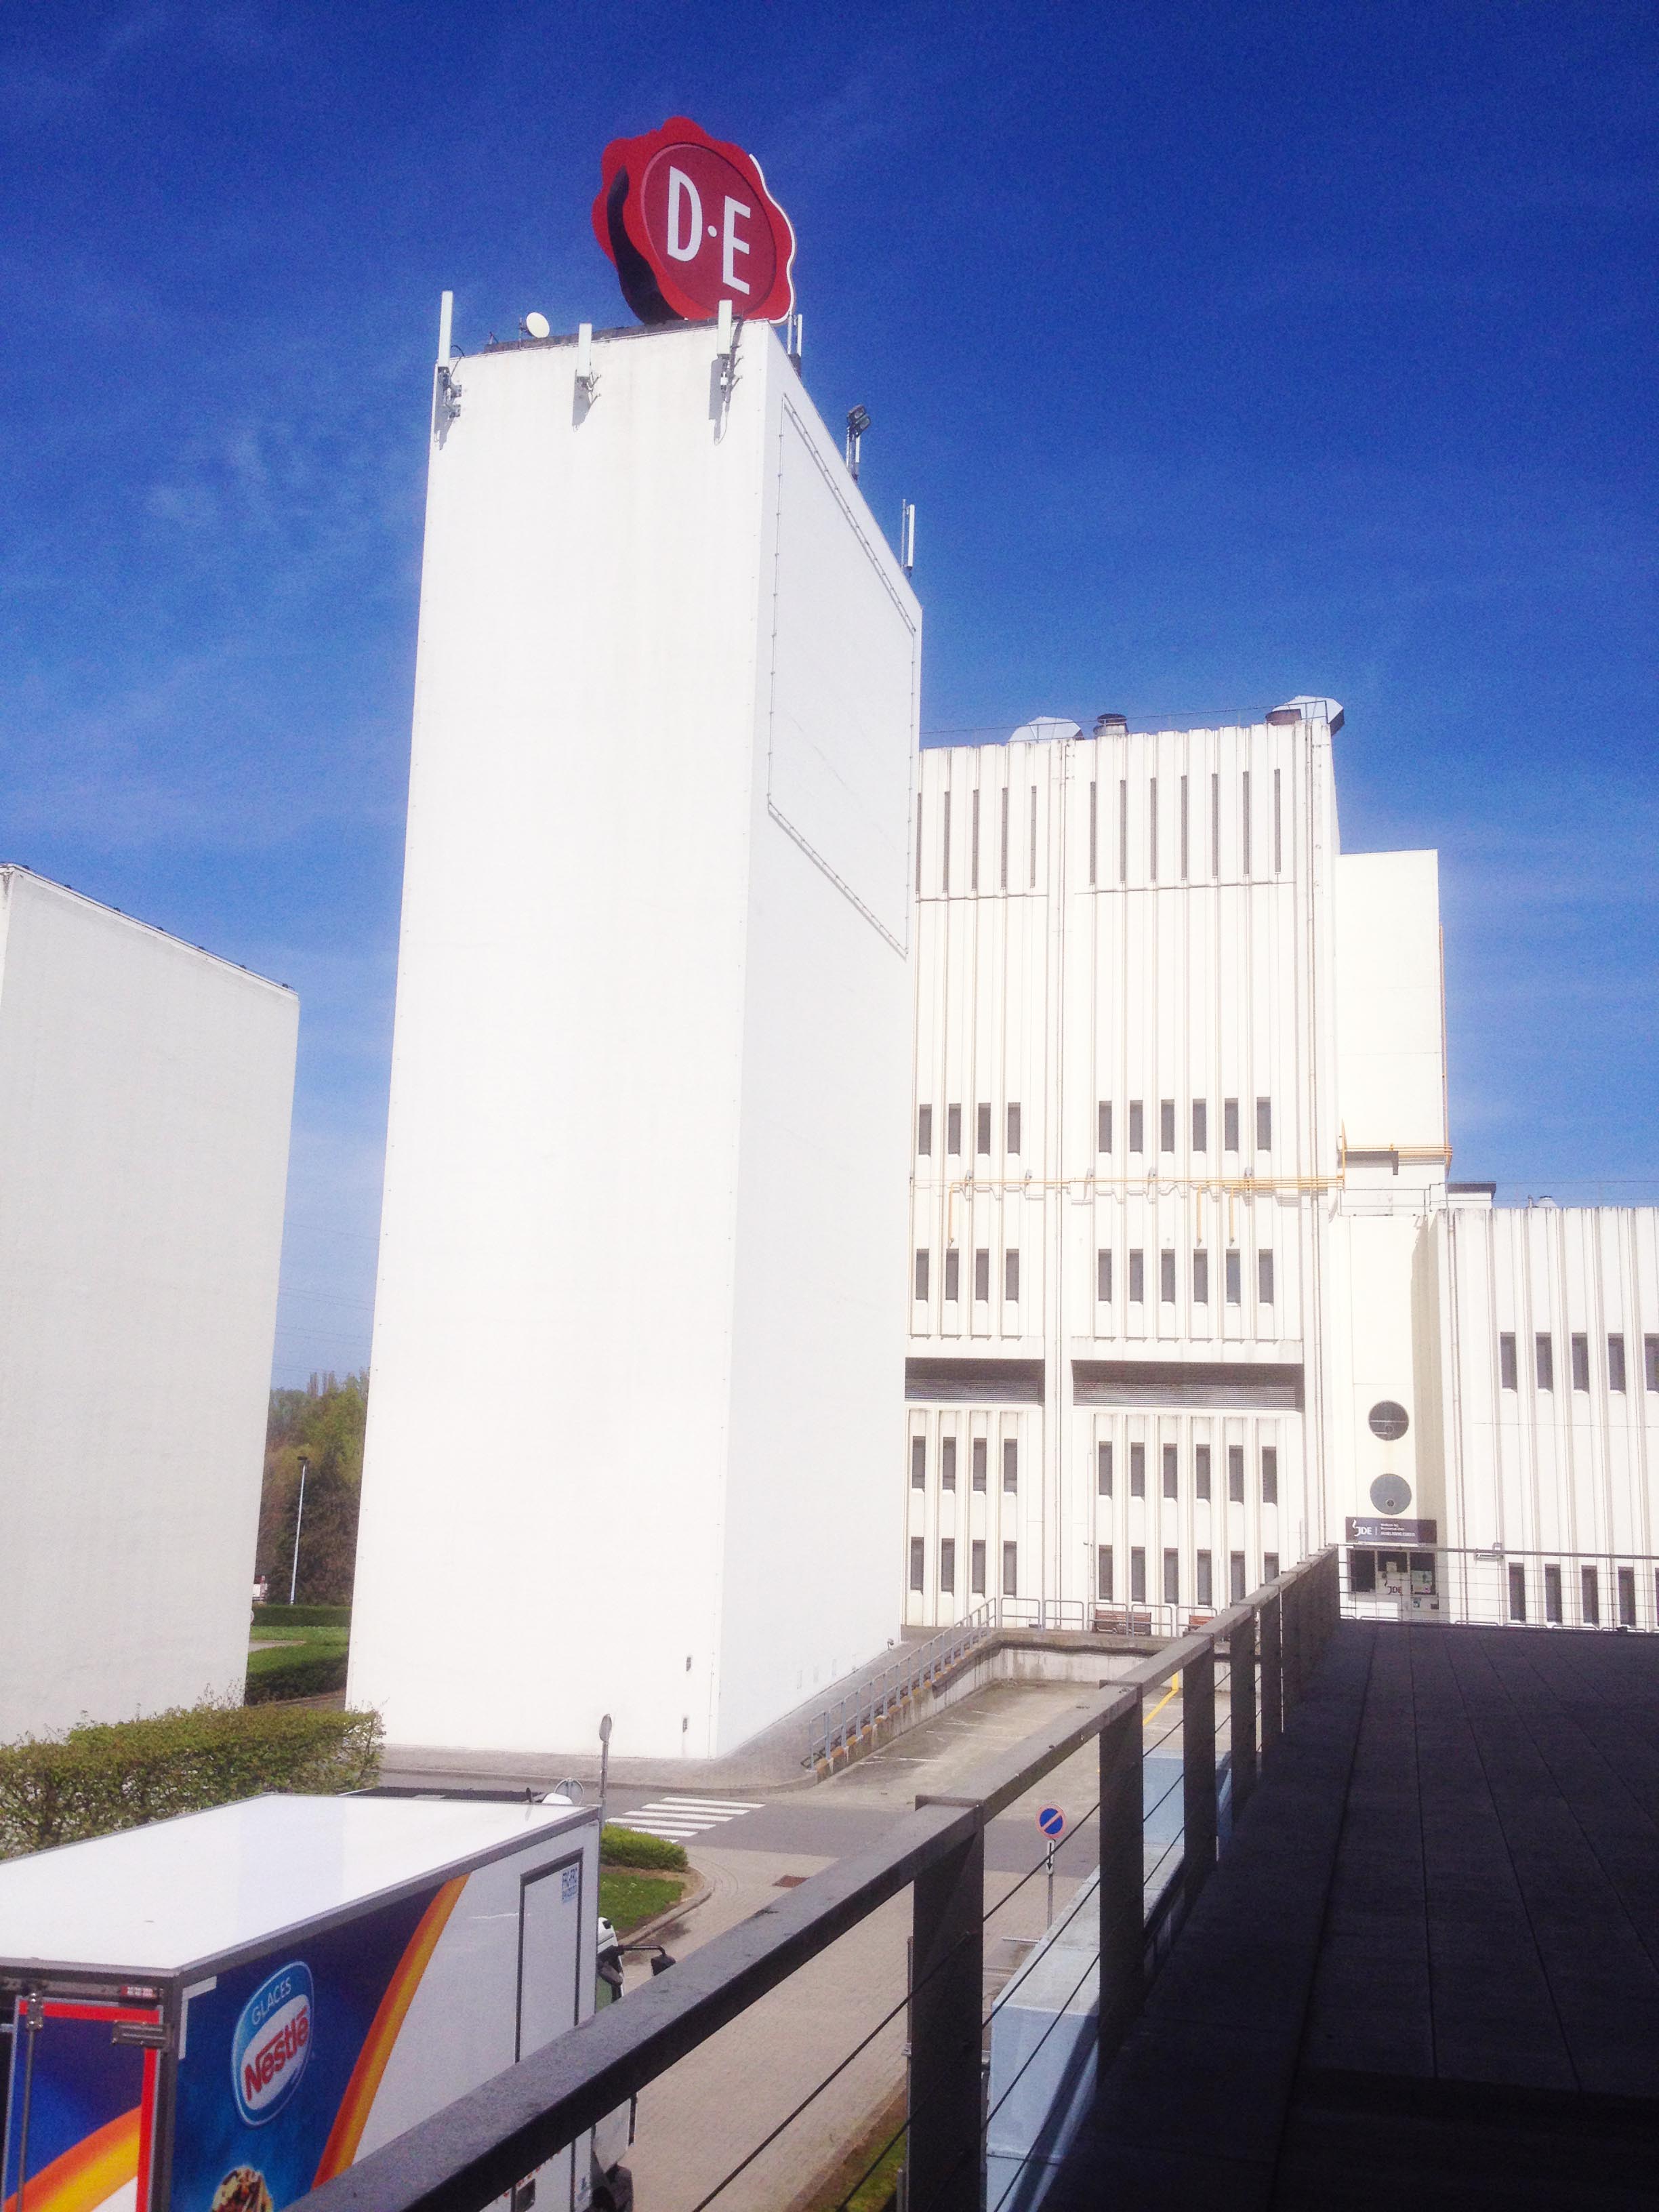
[629, 1847]
[627, 1899]
[879, 2188]
[287, 1643]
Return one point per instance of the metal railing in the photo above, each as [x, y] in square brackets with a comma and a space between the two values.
[469, 2155]
[1501, 1588]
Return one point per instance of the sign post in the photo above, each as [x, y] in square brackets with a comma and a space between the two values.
[1051, 1823]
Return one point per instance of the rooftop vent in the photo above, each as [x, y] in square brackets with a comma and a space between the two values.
[1111, 725]
[1043, 728]
[1304, 709]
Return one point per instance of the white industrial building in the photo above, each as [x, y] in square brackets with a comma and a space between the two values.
[638, 1368]
[1191, 1292]
[145, 1092]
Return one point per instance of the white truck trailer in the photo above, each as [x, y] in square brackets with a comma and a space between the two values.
[218, 2013]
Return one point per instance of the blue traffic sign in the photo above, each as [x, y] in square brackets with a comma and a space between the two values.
[1052, 1821]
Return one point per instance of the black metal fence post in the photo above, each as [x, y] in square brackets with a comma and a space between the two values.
[1241, 1658]
[1122, 1879]
[1267, 1628]
[1198, 1790]
[943, 2153]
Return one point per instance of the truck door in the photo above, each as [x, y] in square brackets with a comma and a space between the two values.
[552, 1913]
[81, 2114]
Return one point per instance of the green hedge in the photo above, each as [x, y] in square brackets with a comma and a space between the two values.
[303, 1616]
[628, 1847]
[95, 1779]
[274, 1675]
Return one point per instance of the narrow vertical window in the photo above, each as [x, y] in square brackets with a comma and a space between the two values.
[947, 1565]
[1580, 1362]
[1651, 1362]
[918, 1562]
[1615, 1363]
[1034, 812]
[1235, 1280]
[921, 1275]
[1010, 1466]
[1166, 1125]
[1184, 829]
[1103, 1132]
[1094, 833]
[1123, 831]
[944, 846]
[1014, 1128]
[1507, 1376]
[1151, 830]
[980, 1453]
[1103, 1277]
[977, 1558]
[1203, 1588]
[982, 1274]
[1518, 1590]
[1215, 825]
[1589, 1596]
[1279, 835]
[1104, 1573]
[1264, 1276]
[1264, 1125]
[1270, 1566]
[1005, 838]
[924, 1131]
[1244, 830]
[982, 1132]
[1137, 1126]
[1011, 1277]
[1137, 1574]
[1544, 1361]
[1235, 1578]
[1552, 1595]
[1201, 1471]
[1236, 1474]
[1230, 1125]
[1201, 1277]
[1137, 1278]
[947, 1463]
[1172, 1579]
[1010, 1571]
[1627, 1597]
[953, 1275]
[953, 1130]
[1137, 1470]
[973, 856]
[1200, 1125]
[1169, 1474]
[918, 1463]
[1270, 1474]
[1166, 1283]
[1103, 1470]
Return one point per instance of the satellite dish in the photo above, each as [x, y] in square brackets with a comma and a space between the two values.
[536, 326]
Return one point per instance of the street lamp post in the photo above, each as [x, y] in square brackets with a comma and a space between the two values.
[299, 1522]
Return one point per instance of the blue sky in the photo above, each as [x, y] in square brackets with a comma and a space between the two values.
[1229, 351]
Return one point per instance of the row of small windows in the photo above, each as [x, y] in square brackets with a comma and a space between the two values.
[1233, 1276]
[1166, 1127]
[947, 1566]
[1203, 1593]
[1543, 1361]
[947, 1463]
[981, 1275]
[1169, 1471]
[1590, 1594]
[1008, 849]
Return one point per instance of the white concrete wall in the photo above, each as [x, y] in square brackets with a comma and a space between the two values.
[145, 1092]
[637, 1355]
[1390, 1015]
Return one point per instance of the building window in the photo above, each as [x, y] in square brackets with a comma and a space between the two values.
[1627, 1597]
[1650, 1361]
[918, 1563]
[982, 1132]
[1230, 1125]
[1200, 1125]
[953, 1130]
[1264, 1125]
[1137, 1278]
[1104, 1573]
[1235, 1578]
[921, 1275]
[1137, 1574]
[953, 1275]
[1137, 1470]
[1552, 1595]
[1236, 1474]
[1010, 1571]
[1589, 1593]
[1136, 1131]
[1580, 1362]
[1103, 1125]
[1203, 1593]
[1172, 1579]
[1615, 1363]
[1270, 1566]
[1011, 1277]
[1264, 1276]
[976, 1566]
[1544, 1358]
[1010, 1466]
[947, 1463]
[1201, 1278]
[1166, 1125]
[924, 1130]
[1506, 1367]
[947, 1565]
[1201, 1471]
[979, 1463]
[1103, 1470]
[918, 1463]
[1014, 1128]
[1517, 1591]
[1170, 1490]
[1166, 1278]
[1103, 1277]
[1270, 1474]
[982, 1275]
[1234, 1279]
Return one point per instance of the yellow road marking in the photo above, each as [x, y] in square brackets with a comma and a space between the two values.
[1162, 1702]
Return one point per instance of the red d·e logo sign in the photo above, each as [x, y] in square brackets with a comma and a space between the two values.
[688, 221]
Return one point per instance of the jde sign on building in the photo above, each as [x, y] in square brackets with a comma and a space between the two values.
[689, 222]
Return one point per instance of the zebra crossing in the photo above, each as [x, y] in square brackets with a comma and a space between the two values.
[678, 1819]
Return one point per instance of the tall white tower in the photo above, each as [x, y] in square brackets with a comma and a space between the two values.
[638, 1356]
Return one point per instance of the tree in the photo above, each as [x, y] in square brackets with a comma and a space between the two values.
[325, 1422]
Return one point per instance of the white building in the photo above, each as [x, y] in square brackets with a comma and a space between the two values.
[638, 1372]
[145, 1092]
[1191, 1294]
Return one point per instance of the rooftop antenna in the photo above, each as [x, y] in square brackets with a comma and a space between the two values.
[446, 392]
[907, 535]
[726, 340]
[792, 339]
[586, 382]
[858, 422]
[445, 321]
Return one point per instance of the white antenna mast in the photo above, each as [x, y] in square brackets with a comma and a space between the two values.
[907, 535]
[445, 319]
